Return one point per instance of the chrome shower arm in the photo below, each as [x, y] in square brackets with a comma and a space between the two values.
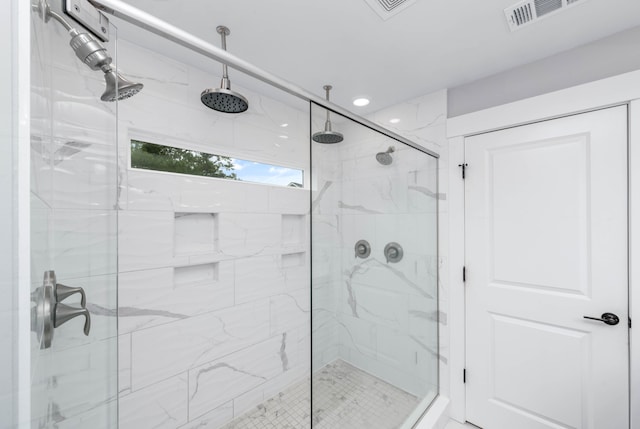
[45, 12]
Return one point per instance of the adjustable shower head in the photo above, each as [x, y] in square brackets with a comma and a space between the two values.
[328, 136]
[119, 88]
[385, 158]
[94, 55]
[223, 99]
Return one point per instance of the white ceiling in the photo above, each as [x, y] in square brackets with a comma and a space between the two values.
[431, 45]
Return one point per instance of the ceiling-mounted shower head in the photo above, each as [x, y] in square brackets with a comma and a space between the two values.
[328, 136]
[94, 55]
[223, 99]
[385, 158]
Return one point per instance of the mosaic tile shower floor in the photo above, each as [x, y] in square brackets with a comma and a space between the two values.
[345, 398]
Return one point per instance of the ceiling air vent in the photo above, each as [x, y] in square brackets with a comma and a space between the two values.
[528, 11]
[388, 8]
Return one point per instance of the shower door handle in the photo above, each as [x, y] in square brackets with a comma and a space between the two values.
[608, 318]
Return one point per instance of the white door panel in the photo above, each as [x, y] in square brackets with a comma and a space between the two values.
[546, 237]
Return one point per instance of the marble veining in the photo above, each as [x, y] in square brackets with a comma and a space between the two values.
[320, 195]
[358, 208]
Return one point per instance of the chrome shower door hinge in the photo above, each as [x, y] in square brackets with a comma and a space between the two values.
[90, 17]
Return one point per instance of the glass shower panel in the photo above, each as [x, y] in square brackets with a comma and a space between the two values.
[374, 279]
[74, 198]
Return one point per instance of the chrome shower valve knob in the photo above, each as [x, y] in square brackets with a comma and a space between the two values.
[362, 249]
[393, 252]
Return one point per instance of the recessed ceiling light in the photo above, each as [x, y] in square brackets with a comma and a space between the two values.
[361, 101]
[283, 137]
[284, 125]
[394, 120]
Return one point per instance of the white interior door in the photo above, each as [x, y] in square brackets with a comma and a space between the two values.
[546, 245]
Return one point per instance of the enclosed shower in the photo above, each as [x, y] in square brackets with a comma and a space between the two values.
[249, 275]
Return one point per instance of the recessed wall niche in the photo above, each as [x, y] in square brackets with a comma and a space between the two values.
[195, 233]
[292, 229]
[195, 275]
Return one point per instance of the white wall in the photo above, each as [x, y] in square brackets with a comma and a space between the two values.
[213, 274]
[603, 58]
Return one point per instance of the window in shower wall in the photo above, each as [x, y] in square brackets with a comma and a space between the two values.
[374, 318]
[152, 156]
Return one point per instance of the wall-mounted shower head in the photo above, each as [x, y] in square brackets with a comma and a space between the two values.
[95, 56]
[328, 136]
[119, 88]
[385, 158]
[223, 99]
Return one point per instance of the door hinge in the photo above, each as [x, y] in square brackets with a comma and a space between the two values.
[464, 169]
[464, 375]
[464, 274]
[629, 322]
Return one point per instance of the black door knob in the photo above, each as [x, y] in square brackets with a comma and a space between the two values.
[608, 318]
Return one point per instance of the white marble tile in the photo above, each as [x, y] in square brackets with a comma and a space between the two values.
[195, 233]
[147, 190]
[153, 297]
[221, 195]
[162, 77]
[83, 242]
[290, 310]
[74, 380]
[161, 405]
[258, 277]
[288, 200]
[145, 240]
[124, 364]
[83, 174]
[172, 348]
[248, 400]
[213, 419]
[249, 234]
[294, 229]
[104, 416]
[217, 382]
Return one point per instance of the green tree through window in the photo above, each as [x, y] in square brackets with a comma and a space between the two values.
[151, 156]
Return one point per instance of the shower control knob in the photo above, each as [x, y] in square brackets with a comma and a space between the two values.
[393, 252]
[363, 249]
[64, 313]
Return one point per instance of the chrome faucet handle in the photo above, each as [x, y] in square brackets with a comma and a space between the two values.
[63, 313]
[63, 292]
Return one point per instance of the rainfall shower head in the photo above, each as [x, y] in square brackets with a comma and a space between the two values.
[385, 158]
[328, 136]
[223, 99]
[94, 55]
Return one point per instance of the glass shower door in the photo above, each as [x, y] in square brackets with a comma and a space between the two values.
[74, 197]
[374, 279]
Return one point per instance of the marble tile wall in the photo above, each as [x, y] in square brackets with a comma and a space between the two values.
[73, 231]
[423, 120]
[214, 292]
[378, 316]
